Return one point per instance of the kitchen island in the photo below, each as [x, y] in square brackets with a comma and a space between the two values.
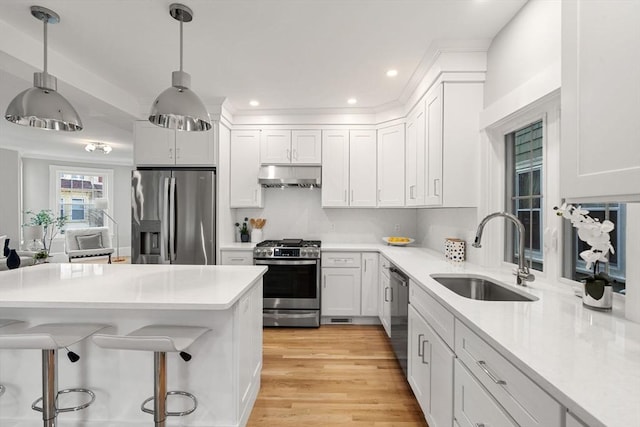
[224, 373]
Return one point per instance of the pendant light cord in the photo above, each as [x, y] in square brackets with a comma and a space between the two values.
[181, 43]
[45, 45]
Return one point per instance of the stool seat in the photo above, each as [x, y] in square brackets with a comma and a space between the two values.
[7, 322]
[49, 336]
[156, 338]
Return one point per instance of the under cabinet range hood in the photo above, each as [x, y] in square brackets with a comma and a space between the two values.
[272, 176]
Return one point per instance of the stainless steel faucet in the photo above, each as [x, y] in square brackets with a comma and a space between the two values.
[522, 273]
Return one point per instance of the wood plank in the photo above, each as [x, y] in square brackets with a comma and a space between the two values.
[336, 375]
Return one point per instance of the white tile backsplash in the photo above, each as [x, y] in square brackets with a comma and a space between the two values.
[435, 225]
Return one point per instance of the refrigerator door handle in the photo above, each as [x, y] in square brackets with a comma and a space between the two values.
[165, 221]
[172, 219]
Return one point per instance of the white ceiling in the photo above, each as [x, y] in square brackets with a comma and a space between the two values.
[116, 56]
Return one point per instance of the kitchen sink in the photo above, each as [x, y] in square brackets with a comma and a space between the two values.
[480, 288]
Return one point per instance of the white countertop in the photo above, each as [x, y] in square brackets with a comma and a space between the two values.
[238, 246]
[587, 360]
[125, 286]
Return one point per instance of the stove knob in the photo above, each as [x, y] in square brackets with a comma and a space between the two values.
[269, 252]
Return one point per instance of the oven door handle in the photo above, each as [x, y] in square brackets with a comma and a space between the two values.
[285, 262]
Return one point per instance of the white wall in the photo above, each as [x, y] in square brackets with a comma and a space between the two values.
[297, 213]
[435, 225]
[523, 49]
[36, 193]
[9, 196]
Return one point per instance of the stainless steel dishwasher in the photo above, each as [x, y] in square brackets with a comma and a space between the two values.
[399, 315]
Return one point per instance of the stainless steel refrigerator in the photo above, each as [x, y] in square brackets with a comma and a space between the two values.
[173, 216]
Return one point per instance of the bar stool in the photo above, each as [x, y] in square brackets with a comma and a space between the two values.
[160, 339]
[49, 338]
[3, 323]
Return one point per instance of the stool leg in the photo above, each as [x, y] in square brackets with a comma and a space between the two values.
[160, 388]
[49, 387]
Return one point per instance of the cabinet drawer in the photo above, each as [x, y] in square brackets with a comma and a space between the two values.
[236, 258]
[473, 405]
[341, 259]
[436, 315]
[524, 400]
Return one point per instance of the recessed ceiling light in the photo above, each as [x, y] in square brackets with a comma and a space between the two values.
[352, 101]
[392, 73]
[254, 103]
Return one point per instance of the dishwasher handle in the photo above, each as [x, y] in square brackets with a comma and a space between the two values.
[398, 276]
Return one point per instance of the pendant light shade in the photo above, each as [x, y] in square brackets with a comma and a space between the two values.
[178, 107]
[42, 106]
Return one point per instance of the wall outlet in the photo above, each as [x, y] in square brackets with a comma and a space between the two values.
[396, 228]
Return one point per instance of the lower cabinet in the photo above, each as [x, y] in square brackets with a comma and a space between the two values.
[369, 293]
[243, 257]
[474, 406]
[430, 371]
[384, 295]
[340, 291]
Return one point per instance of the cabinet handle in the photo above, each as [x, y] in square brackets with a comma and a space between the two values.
[237, 259]
[351, 196]
[324, 281]
[436, 183]
[385, 294]
[379, 195]
[365, 265]
[177, 153]
[411, 188]
[480, 425]
[288, 154]
[420, 353]
[423, 352]
[483, 365]
[171, 153]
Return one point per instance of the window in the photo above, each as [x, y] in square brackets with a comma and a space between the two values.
[574, 266]
[75, 190]
[524, 192]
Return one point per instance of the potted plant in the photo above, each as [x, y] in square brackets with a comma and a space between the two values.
[52, 225]
[597, 291]
[244, 231]
[41, 257]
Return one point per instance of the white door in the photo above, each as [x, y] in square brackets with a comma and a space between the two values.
[340, 294]
[275, 146]
[153, 145]
[306, 147]
[415, 157]
[369, 306]
[391, 166]
[433, 115]
[335, 168]
[195, 148]
[244, 164]
[362, 168]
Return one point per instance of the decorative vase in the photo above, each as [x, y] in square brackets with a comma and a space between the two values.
[244, 237]
[256, 235]
[6, 249]
[13, 260]
[597, 294]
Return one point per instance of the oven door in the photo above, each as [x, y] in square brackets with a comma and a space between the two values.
[291, 284]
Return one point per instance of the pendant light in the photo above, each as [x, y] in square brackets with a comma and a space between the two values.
[42, 106]
[178, 107]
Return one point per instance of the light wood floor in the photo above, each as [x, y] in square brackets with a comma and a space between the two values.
[332, 376]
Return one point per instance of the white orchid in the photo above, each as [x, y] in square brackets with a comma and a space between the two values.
[591, 231]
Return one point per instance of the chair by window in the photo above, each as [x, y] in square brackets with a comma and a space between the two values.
[88, 242]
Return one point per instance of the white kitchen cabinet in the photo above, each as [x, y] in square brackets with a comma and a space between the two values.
[384, 295]
[430, 371]
[244, 164]
[157, 146]
[249, 342]
[243, 257]
[599, 155]
[452, 139]
[474, 406]
[349, 168]
[391, 166]
[340, 291]
[369, 292]
[290, 147]
[415, 156]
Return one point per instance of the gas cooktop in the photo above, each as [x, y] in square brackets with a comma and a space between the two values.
[288, 248]
[289, 243]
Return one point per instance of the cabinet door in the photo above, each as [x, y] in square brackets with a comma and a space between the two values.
[384, 301]
[391, 166]
[153, 145]
[244, 163]
[335, 168]
[599, 155]
[441, 396]
[340, 292]
[306, 147]
[369, 284]
[195, 148]
[362, 168]
[415, 157]
[275, 146]
[418, 368]
[433, 117]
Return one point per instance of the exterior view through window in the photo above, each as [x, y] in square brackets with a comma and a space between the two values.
[524, 192]
[76, 193]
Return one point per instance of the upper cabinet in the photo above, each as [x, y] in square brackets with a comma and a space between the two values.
[415, 157]
[600, 100]
[290, 147]
[244, 164]
[349, 168]
[391, 166]
[157, 146]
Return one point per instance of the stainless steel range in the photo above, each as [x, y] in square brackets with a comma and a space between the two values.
[292, 283]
